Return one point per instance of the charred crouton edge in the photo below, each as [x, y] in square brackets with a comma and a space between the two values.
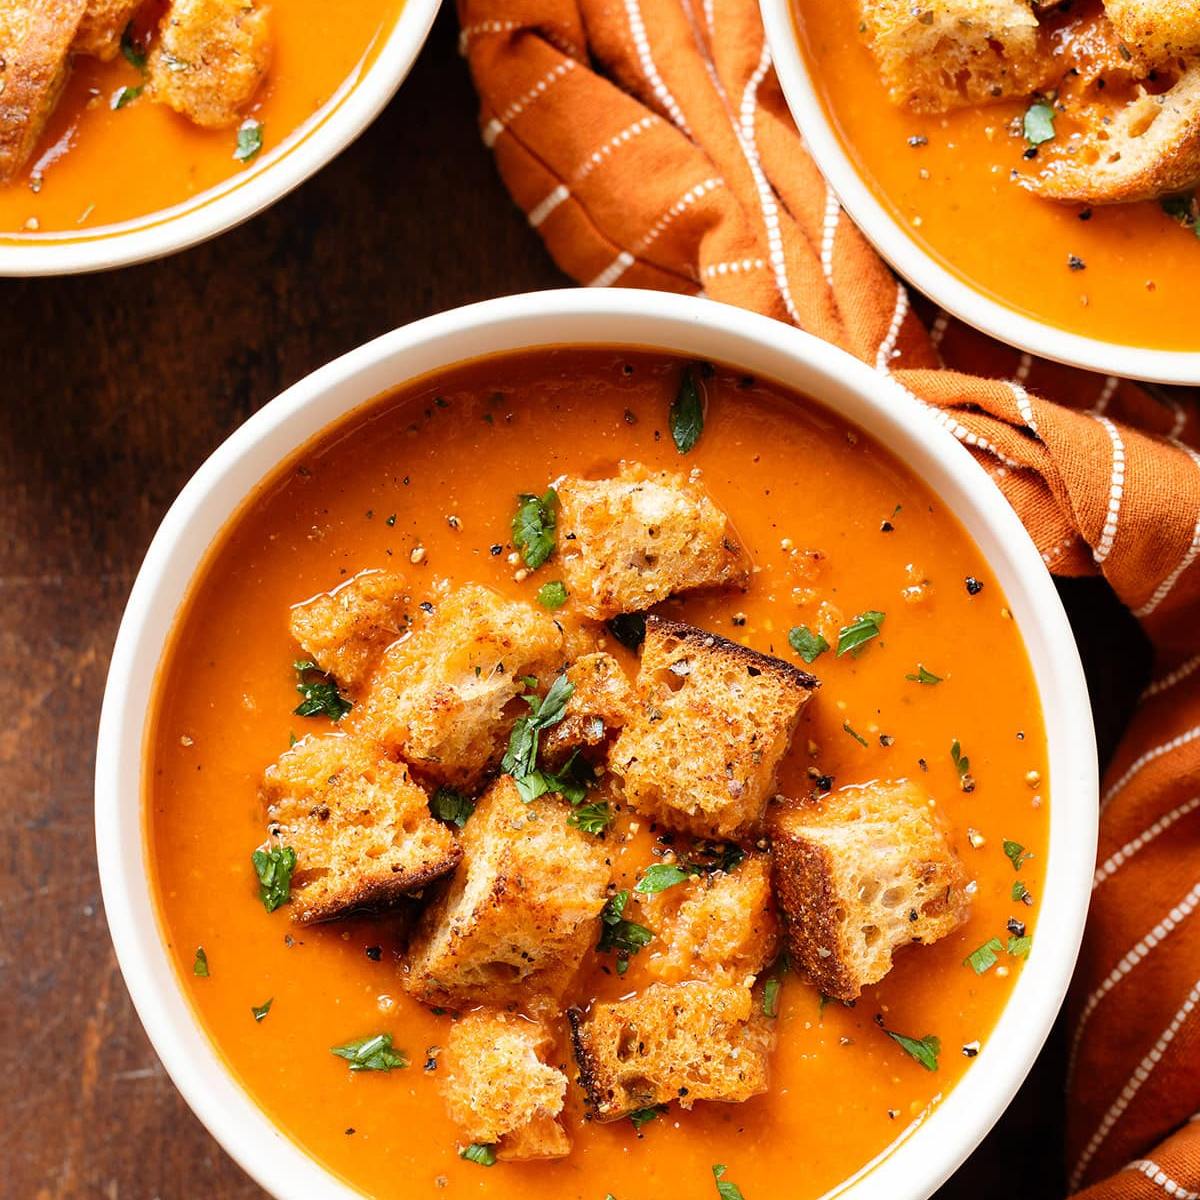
[600, 704]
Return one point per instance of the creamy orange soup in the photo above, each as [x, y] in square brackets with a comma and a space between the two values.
[950, 182]
[793, 477]
[97, 165]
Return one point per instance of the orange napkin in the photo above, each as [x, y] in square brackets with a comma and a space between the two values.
[649, 145]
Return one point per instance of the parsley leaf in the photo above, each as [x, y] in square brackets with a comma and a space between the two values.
[534, 527]
[451, 806]
[552, 595]
[1021, 892]
[619, 935]
[687, 412]
[1038, 125]
[725, 1190]
[659, 877]
[200, 963]
[372, 1054]
[1016, 854]
[135, 56]
[962, 764]
[125, 95]
[485, 1156]
[858, 737]
[261, 1010]
[274, 869]
[571, 783]
[249, 140]
[925, 1050]
[770, 999]
[321, 696]
[1018, 947]
[864, 627]
[924, 676]
[643, 1116]
[592, 818]
[520, 760]
[629, 629]
[810, 646]
[984, 959]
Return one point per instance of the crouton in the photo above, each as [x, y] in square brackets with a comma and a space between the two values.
[1149, 147]
[346, 631]
[441, 698]
[99, 33]
[716, 923]
[943, 54]
[712, 723]
[35, 46]
[867, 871]
[684, 1041]
[1158, 29]
[359, 826]
[626, 543]
[210, 57]
[521, 911]
[498, 1088]
[599, 705]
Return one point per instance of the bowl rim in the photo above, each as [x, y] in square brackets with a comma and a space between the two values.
[941, 1139]
[306, 149]
[917, 265]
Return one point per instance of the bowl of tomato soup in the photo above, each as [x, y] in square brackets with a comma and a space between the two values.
[127, 143]
[963, 197]
[865, 571]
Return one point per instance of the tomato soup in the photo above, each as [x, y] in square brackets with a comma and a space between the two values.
[1122, 273]
[947, 680]
[100, 162]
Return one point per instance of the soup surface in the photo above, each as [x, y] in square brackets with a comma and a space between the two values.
[97, 165]
[793, 478]
[1121, 273]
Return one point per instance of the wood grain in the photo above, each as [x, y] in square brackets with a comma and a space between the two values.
[115, 388]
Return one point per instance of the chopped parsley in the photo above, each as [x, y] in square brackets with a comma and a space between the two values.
[725, 1189]
[810, 646]
[552, 595]
[534, 527]
[520, 760]
[858, 737]
[1184, 210]
[620, 935]
[925, 1050]
[659, 877]
[924, 676]
[592, 818]
[372, 1054]
[1016, 854]
[274, 869]
[200, 963]
[451, 806]
[1018, 947]
[864, 627]
[962, 764]
[770, 999]
[629, 629]
[125, 95]
[321, 697]
[1038, 125]
[643, 1116]
[1021, 892]
[571, 783]
[261, 1010]
[985, 958]
[687, 412]
[134, 54]
[485, 1156]
[249, 140]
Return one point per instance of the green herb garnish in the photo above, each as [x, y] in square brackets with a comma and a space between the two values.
[643, 1116]
[485, 1156]
[1038, 125]
[1018, 947]
[659, 877]
[925, 1050]
[592, 818]
[261, 1010]
[571, 782]
[249, 140]
[687, 412]
[864, 627]
[321, 696]
[1016, 854]
[520, 760]
[200, 963]
[135, 56]
[984, 959]
[962, 764]
[726, 1190]
[274, 869]
[810, 646]
[552, 595]
[451, 806]
[924, 676]
[619, 935]
[534, 527]
[372, 1054]
[1020, 892]
[770, 999]
[125, 95]
[858, 737]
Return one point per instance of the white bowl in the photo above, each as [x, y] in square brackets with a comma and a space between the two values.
[356, 103]
[687, 326]
[916, 264]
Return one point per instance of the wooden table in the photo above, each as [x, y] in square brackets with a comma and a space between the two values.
[115, 388]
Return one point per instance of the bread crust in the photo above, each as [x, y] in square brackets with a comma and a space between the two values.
[103, 24]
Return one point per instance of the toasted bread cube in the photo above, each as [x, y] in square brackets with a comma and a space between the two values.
[626, 543]
[1159, 29]
[683, 1041]
[712, 723]
[441, 698]
[210, 57]
[867, 871]
[937, 55]
[359, 826]
[103, 23]
[346, 631]
[718, 923]
[599, 705]
[499, 1089]
[35, 48]
[521, 911]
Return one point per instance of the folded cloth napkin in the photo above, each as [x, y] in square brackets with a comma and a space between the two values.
[649, 144]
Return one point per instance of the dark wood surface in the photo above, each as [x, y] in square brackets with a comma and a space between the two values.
[114, 389]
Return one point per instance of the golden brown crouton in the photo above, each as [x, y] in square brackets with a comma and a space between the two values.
[712, 722]
[35, 45]
[442, 697]
[942, 54]
[599, 705]
[520, 912]
[103, 23]
[498, 1088]
[359, 826]
[722, 922]
[867, 871]
[346, 631]
[626, 543]
[684, 1041]
[1159, 29]
[210, 57]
